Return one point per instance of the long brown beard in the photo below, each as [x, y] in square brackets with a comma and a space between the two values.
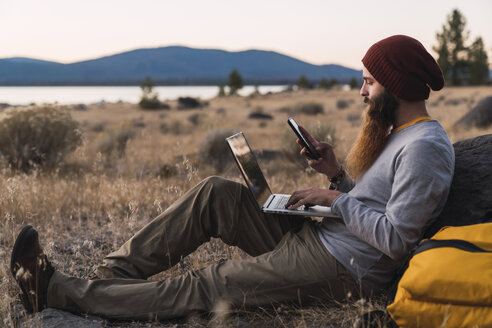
[377, 120]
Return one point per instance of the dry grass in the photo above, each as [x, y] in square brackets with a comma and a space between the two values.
[92, 203]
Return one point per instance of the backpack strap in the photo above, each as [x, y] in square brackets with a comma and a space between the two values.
[456, 243]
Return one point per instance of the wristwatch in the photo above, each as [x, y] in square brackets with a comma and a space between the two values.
[336, 180]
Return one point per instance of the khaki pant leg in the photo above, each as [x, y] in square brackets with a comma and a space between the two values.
[300, 269]
[214, 208]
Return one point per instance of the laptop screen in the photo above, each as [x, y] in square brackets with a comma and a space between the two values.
[249, 167]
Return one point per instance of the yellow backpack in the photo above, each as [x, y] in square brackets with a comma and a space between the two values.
[448, 282]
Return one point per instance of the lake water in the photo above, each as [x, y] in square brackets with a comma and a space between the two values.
[93, 94]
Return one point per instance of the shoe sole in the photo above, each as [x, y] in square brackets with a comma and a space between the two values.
[26, 232]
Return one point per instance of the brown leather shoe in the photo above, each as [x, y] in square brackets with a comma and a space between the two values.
[31, 269]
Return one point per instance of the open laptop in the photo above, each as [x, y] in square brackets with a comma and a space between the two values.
[267, 201]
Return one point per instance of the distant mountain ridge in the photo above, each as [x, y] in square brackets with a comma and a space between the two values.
[169, 65]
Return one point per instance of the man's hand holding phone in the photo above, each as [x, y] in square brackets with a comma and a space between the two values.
[321, 157]
[326, 163]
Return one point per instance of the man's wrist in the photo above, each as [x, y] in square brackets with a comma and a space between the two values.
[337, 179]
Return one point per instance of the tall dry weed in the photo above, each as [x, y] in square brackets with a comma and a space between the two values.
[114, 141]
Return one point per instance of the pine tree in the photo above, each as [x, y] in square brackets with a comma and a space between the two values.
[149, 99]
[443, 52]
[323, 84]
[354, 83]
[451, 48]
[303, 82]
[327, 84]
[235, 82]
[479, 65]
[221, 91]
[147, 85]
[460, 64]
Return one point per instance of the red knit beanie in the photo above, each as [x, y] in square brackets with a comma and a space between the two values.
[403, 67]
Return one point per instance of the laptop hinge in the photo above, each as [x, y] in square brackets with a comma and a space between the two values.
[271, 200]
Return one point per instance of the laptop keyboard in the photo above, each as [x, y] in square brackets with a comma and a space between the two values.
[279, 202]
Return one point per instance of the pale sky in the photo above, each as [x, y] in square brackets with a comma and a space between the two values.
[320, 32]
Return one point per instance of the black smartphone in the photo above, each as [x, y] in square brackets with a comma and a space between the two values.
[305, 141]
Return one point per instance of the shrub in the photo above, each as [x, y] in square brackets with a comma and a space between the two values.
[164, 106]
[286, 109]
[188, 103]
[176, 127]
[197, 118]
[258, 113]
[98, 127]
[167, 171]
[213, 149]
[290, 148]
[149, 102]
[150, 99]
[139, 124]
[455, 101]
[342, 104]
[354, 118]
[81, 107]
[37, 136]
[116, 140]
[221, 111]
[310, 108]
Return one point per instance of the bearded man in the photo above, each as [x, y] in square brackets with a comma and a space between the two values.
[399, 174]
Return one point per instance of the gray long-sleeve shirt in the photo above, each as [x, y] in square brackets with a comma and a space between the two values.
[386, 211]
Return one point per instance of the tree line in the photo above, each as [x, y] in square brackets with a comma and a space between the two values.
[461, 62]
[235, 83]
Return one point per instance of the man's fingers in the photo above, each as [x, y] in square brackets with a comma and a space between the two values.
[308, 136]
[305, 152]
[292, 200]
[311, 161]
[298, 204]
[295, 197]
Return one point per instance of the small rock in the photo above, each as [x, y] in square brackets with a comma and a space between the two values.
[54, 318]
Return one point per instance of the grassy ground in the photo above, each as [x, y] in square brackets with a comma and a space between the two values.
[97, 199]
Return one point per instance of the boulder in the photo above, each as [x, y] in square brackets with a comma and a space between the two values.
[470, 197]
[479, 116]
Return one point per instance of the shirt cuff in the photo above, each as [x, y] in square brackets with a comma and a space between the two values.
[335, 205]
[347, 184]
